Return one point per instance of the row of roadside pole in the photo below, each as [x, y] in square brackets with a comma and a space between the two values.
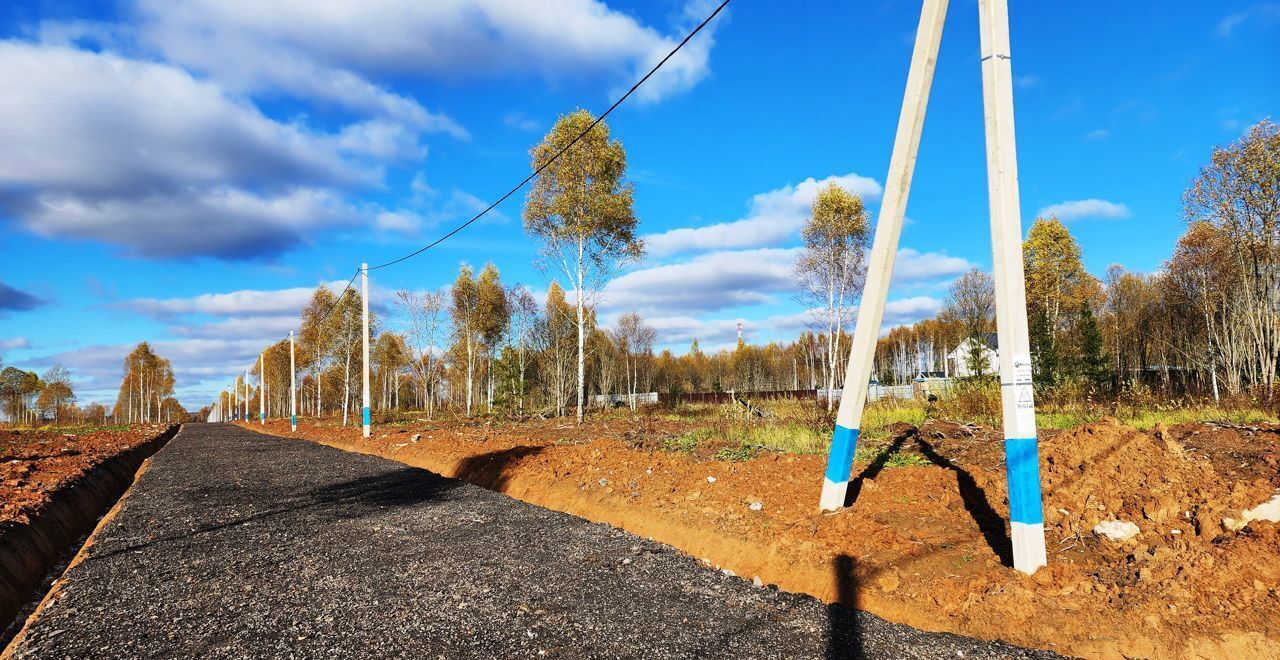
[233, 405]
[1018, 410]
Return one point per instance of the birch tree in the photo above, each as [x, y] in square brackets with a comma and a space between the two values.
[580, 208]
[425, 312]
[972, 301]
[832, 267]
[635, 341]
[1238, 193]
[315, 340]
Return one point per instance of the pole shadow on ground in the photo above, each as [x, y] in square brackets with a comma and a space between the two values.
[872, 470]
[844, 634]
[990, 522]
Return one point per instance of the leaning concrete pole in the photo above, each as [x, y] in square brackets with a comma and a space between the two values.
[835, 484]
[293, 388]
[1022, 463]
[364, 296]
[262, 388]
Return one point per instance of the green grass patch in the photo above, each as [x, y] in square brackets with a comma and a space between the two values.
[872, 453]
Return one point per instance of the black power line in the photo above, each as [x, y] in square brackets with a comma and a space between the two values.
[561, 152]
[540, 168]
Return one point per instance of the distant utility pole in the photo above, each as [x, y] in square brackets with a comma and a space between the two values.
[245, 384]
[364, 300]
[262, 388]
[1018, 408]
[293, 388]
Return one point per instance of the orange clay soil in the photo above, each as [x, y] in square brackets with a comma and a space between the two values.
[35, 464]
[927, 545]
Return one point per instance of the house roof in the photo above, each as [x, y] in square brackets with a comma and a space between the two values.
[989, 338]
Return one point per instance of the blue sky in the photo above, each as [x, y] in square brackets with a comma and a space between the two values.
[184, 172]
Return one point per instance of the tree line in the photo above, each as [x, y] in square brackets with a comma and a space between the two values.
[145, 394]
[1207, 321]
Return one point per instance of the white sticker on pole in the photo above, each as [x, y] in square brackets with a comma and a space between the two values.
[1024, 395]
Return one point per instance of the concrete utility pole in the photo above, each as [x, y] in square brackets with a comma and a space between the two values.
[884, 249]
[245, 384]
[1018, 407]
[293, 388]
[262, 388]
[364, 301]
[1026, 517]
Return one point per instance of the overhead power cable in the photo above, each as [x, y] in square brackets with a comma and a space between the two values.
[563, 149]
[540, 168]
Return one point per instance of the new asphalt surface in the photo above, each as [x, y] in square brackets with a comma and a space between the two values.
[239, 545]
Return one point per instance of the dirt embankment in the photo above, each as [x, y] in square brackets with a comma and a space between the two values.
[926, 544]
[53, 489]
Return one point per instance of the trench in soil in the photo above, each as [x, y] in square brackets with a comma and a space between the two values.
[34, 555]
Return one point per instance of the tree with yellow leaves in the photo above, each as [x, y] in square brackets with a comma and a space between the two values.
[580, 207]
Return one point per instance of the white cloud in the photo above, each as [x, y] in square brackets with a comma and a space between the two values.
[1098, 134]
[220, 222]
[14, 343]
[1085, 208]
[713, 281]
[678, 331]
[200, 366]
[403, 222]
[1264, 12]
[913, 266]
[735, 278]
[1026, 81]
[246, 302]
[332, 53]
[148, 158]
[906, 311]
[383, 140]
[266, 329]
[519, 121]
[772, 218]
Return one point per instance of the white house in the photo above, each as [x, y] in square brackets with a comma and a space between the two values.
[959, 359]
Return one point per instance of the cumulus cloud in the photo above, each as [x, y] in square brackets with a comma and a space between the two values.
[200, 366]
[267, 329]
[246, 302]
[718, 280]
[678, 331]
[772, 218]
[912, 266]
[906, 311]
[403, 222]
[334, 53]
[17, 300]
[1085, 208]
[148, 158]
[14, 343]
[734, 278]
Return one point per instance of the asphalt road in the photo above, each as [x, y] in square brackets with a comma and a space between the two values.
[236, 545]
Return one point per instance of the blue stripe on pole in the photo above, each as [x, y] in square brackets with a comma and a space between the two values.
[293, 420]
[840, 462]
[366, 416]
[1022, 464]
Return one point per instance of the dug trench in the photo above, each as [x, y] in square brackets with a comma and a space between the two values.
[67, 484]
[925, 542]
